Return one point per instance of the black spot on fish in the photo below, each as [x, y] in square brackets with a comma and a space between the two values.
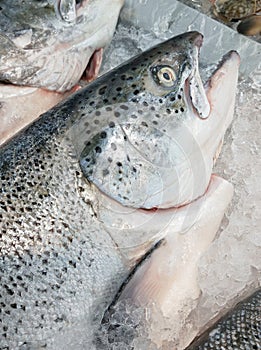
[119, 163]
[103, 135]
[98, 149]
[124, 107]
[117, 114]
[105, 172]
[111, 124]
[144, 124]
[176, 111]
[102, 90]
[179, 97]
[181, 109]
[113, 146]
[98, 113]
[136, 92]
[108, 109]
[96, 121]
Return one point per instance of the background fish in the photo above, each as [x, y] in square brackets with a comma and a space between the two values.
[61, 263]
[43, 47]
[239, 329]
[39, 49]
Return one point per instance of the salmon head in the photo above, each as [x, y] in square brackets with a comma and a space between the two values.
[155, 142]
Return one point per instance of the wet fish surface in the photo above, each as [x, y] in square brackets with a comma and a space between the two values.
[239, 329]
[142, 125]
[44, 44]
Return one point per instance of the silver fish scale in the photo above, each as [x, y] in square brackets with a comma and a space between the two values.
[239, 330]
[46, 249]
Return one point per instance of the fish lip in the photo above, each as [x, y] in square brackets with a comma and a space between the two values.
[224, 59]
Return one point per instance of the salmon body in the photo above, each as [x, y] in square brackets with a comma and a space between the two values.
[76, 186]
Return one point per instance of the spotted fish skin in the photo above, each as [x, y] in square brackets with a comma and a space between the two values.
[57, 263]
[239, 329]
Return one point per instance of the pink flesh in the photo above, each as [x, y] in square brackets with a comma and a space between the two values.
[94, 65]
[20, 106]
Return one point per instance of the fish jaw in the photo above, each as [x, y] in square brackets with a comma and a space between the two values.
[221, 92]
[57, 61]
[208, 134]
[135, 231]
[166, 281]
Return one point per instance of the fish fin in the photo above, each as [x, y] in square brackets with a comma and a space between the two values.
[146, 287]
[169, 276]
[94, 66]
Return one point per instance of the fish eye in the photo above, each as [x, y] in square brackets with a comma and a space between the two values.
[164, 75]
